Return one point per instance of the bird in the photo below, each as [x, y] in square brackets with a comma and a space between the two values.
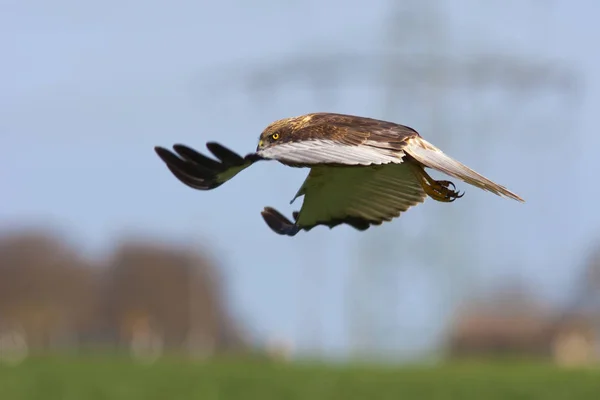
[362, 171]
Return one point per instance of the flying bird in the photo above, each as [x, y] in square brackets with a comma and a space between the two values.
[363, 171]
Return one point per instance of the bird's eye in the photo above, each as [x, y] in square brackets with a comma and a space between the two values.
[275, 136]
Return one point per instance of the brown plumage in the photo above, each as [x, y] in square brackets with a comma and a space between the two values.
[363, 171]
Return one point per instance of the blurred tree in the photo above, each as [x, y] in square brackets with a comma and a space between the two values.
[146, 297]
[46, 289]
[168, 292]
[586, 301]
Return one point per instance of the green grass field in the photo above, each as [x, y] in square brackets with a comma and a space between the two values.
[104, 377]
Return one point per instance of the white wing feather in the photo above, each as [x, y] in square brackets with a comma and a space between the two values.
[432, 157]
[318, 151]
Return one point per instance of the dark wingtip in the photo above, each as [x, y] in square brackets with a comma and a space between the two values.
[182, 148]
[195, 175]
[278, 222]
[163, 153]
[225, 154]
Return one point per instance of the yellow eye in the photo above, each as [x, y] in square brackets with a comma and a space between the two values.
[275, 136]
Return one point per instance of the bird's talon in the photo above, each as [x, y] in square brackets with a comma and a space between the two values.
[440, 190]
[446, 184]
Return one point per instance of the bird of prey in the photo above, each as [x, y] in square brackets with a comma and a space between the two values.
[363, 171]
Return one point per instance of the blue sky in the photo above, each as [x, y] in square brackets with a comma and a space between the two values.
[87, 90]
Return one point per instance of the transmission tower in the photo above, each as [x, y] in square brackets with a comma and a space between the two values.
[411, 67]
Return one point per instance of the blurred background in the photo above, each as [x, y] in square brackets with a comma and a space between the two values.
[103, 250]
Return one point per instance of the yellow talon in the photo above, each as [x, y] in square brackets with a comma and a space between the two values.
[438, 190]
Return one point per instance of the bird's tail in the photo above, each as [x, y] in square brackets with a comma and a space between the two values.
[432, 157]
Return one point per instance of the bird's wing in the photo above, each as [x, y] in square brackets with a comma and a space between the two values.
[432, 157]
[342, 140]
[201, 172]
[359, 197]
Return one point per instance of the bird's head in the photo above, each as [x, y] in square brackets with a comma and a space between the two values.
[281, 131]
